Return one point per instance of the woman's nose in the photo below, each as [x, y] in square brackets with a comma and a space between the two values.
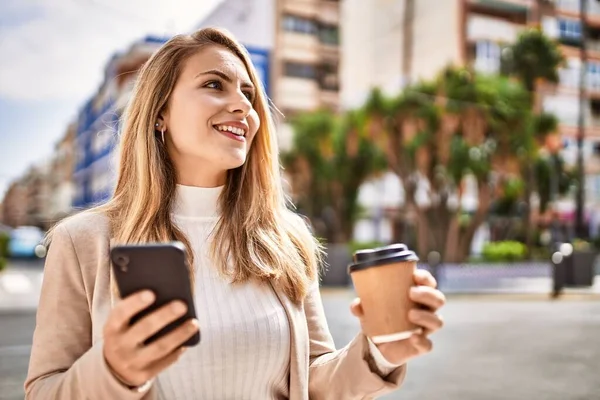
[240, 103]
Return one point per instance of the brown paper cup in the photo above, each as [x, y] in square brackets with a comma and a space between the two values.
[384, 294]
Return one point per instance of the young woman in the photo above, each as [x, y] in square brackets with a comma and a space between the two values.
[199, 164]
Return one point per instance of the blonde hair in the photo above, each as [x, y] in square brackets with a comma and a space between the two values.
[256, 233]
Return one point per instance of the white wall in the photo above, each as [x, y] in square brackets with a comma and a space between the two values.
[251, 21]
[370, 48]
[371, 33]
[437, 39]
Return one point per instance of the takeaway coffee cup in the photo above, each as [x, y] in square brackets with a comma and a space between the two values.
[382, 278]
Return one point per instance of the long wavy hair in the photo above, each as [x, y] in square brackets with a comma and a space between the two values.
[257, 235]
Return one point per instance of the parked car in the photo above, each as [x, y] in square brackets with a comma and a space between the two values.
[27, 242]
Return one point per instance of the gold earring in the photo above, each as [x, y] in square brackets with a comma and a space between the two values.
[162, 134]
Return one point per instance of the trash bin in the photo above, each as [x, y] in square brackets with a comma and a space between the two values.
[337, 257]
[580, 268]
[576, 270]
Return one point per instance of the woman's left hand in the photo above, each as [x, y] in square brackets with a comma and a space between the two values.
[428, 300]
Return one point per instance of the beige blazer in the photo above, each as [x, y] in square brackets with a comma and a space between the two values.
[66, 357]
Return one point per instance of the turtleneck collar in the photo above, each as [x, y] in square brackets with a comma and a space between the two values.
[197, 202]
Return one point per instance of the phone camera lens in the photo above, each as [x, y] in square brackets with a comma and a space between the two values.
[122, 262]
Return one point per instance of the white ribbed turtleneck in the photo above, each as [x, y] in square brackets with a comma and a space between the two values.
[244, 352]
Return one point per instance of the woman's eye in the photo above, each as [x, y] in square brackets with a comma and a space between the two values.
[213, 85]
[249, 95]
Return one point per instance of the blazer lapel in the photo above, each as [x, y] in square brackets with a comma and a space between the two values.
[111, 279]
[298, 347]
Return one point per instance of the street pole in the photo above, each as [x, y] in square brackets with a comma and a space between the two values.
[554, 189]
[580, 196]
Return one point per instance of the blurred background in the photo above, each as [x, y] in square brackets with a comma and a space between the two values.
[467, 129]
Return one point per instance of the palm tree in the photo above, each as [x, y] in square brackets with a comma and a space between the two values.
[437, 135]
[532, 59]
[330, 159]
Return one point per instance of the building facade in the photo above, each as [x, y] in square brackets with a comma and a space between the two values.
[37, 184]
[15, 205]
[294, 47]
[407, 40]
[62, 188]
[94, 171]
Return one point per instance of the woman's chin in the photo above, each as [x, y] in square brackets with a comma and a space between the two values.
[236, 162]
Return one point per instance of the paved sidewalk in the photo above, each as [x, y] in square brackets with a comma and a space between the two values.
[498, 350]
[20, 289]
[490, 349]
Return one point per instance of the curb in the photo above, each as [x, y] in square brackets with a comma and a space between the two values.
[571, 295]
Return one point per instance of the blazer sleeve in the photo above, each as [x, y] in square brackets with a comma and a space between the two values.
[348, 373]
[63, 363]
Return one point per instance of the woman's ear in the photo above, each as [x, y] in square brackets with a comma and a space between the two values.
[161, 123]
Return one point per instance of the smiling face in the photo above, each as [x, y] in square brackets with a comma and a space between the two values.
[209, 120]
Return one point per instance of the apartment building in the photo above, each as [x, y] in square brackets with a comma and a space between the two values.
[495, 23]
[95, 137]
[14, 211]
[294, 45]
[390, 43]
[562, 21]
[60, 177]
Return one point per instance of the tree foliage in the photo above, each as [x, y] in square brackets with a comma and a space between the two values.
[330, 159]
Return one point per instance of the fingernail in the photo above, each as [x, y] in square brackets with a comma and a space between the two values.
[194, 323]
[178, 307]
[147, 296]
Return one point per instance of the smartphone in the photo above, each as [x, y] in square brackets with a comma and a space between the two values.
[161, 268]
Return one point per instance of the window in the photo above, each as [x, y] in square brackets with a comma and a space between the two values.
[298, 70]
[593, 77]
[328, 77]
[292, 23]
[569, 76]
[329, 34]
[487, 56]
[569, 29]
[595, 107]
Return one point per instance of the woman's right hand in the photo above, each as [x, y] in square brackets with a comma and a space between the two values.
[131, 361]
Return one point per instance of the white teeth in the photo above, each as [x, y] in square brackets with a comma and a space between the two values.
[232, 129]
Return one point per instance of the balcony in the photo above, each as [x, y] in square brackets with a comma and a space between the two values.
[593, 46]
[307, 8]
[479, 27]
[300, 47]
[329, 12]
[516, 10]
[329, 99]
[298, 93]
[570, 8]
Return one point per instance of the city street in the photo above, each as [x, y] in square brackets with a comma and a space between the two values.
[499, 348]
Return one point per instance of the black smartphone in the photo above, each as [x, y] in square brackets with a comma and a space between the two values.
[161, 268]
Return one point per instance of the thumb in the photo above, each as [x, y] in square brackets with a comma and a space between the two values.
[356, 308]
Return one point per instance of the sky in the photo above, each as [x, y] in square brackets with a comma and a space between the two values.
[52, 59]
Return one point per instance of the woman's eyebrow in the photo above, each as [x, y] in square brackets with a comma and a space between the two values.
[225, 77]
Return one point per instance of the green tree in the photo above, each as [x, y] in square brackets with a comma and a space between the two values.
[533, 59]
[437, 135]
[331, 158]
